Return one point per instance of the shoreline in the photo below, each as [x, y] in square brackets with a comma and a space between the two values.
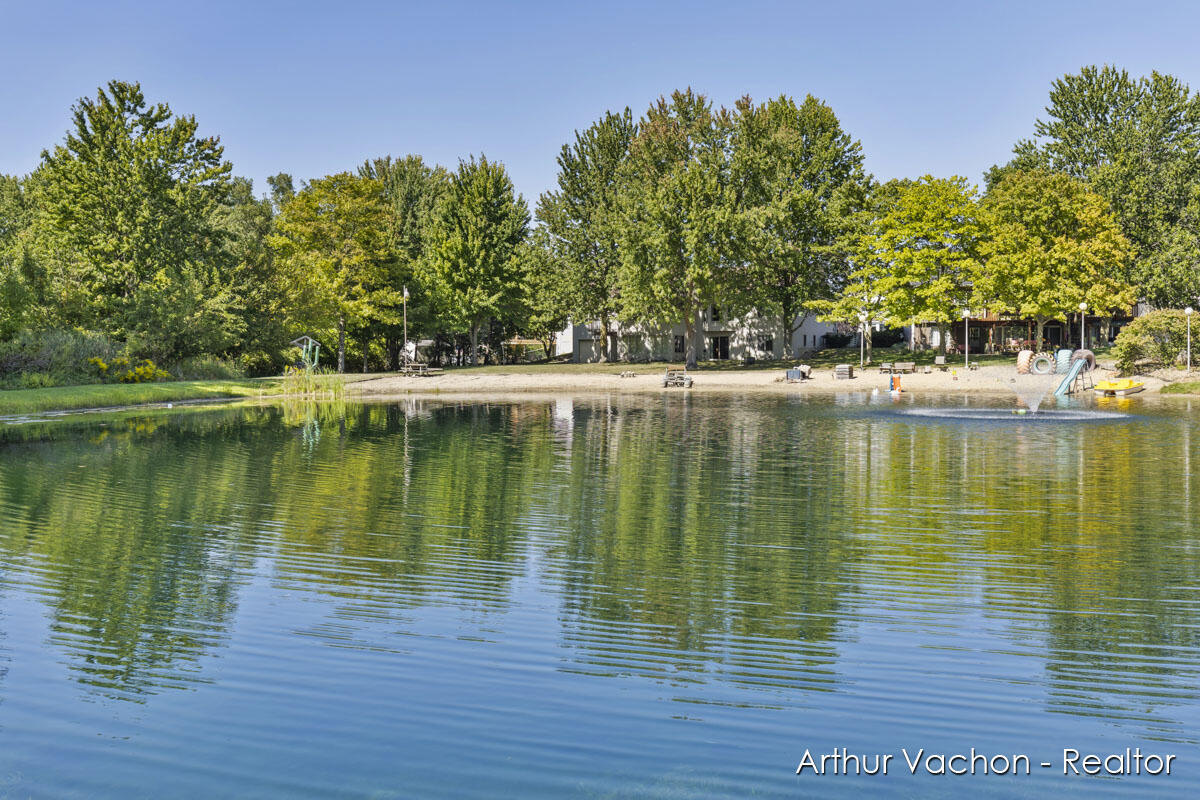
[987, 380]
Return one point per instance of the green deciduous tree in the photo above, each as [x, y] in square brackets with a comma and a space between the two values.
[549, 300]
[1136, 142]
[18, 271]
[928, 237]
[472, 265]
[1052, 244]
[582, 222]
[800, 178]
[333, 247]
[125, 223]
[680, 218]
[412, 190]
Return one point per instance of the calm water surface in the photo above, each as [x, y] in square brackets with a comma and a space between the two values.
[657, 597]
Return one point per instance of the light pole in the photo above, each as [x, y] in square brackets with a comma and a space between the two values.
[1187, 312]
[966, 338]
[862, 338]
[406, 323]
[1083, 326]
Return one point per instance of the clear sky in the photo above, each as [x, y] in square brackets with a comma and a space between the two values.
[313, 88]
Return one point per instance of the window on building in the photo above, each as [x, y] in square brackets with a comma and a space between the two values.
[679, 345]
[714, 314]
[766, 343]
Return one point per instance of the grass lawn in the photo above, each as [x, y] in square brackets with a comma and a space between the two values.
[1183, 387]
[62, 398]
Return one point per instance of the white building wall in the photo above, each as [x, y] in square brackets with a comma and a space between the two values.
[749, 336]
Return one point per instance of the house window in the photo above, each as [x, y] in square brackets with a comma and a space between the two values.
[714, 314]
[766, 343]
[678, 345]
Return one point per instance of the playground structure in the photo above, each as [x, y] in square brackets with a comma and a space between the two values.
[310, 352]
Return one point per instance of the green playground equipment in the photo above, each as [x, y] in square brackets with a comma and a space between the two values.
[310, 351]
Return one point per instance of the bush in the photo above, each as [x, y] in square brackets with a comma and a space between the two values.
[888, 338]
[59, 356]
[836, 340]
[120, 370]
[207, 368]
[1156, 338]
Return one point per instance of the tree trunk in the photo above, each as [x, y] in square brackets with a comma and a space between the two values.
[341, 344]
[866, 334]
[393, 353]
[475, 345]
[789, 329]
[606, 339]
[943, 339]
[1041, 326]
[691, 326]
[366, 346]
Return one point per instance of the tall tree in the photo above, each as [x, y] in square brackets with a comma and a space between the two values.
[472, 264]
[250, 270]
[125, 209]
[1136, 142]
[412, 190]
[549, 299]
[929, 239]
[333, 246]
[857, 293]
[680, 218]
[582, 222]
[18, 273]
[801, 178]
[1052, 244]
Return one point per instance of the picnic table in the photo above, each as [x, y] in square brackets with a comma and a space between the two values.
[419, 369]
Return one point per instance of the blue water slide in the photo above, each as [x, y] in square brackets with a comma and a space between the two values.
[1077, 366]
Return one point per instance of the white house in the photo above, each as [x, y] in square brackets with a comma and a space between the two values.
[739, 337]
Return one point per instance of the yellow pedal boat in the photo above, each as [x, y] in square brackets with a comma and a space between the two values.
[1119, 388]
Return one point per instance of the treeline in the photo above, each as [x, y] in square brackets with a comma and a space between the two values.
[133, 233]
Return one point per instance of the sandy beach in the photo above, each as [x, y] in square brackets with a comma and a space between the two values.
[987, 379]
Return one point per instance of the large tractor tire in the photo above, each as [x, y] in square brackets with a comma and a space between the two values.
[1042, 364]
[1085, 355]
[1024, 358]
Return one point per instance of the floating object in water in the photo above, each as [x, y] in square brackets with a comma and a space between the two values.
[1020, 411]
[894, 385]
[1120, 388]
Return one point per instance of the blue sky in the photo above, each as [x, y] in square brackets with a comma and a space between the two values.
[316, 88]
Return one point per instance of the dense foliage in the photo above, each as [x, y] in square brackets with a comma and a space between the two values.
[1158, 339]
[133, 238]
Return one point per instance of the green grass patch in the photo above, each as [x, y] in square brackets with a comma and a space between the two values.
[106, 395]
[1183, 387]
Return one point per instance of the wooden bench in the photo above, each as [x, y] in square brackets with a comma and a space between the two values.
[885, 368]
[843, 372]
[905, 366]
[940, 363]
[677, 377]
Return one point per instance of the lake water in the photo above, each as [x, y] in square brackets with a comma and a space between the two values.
[670, 596]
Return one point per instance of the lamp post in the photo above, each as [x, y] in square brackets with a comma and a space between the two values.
[862, 338]
[1083, 326]
[1187, 312]
[966, 338]
[406, 323]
